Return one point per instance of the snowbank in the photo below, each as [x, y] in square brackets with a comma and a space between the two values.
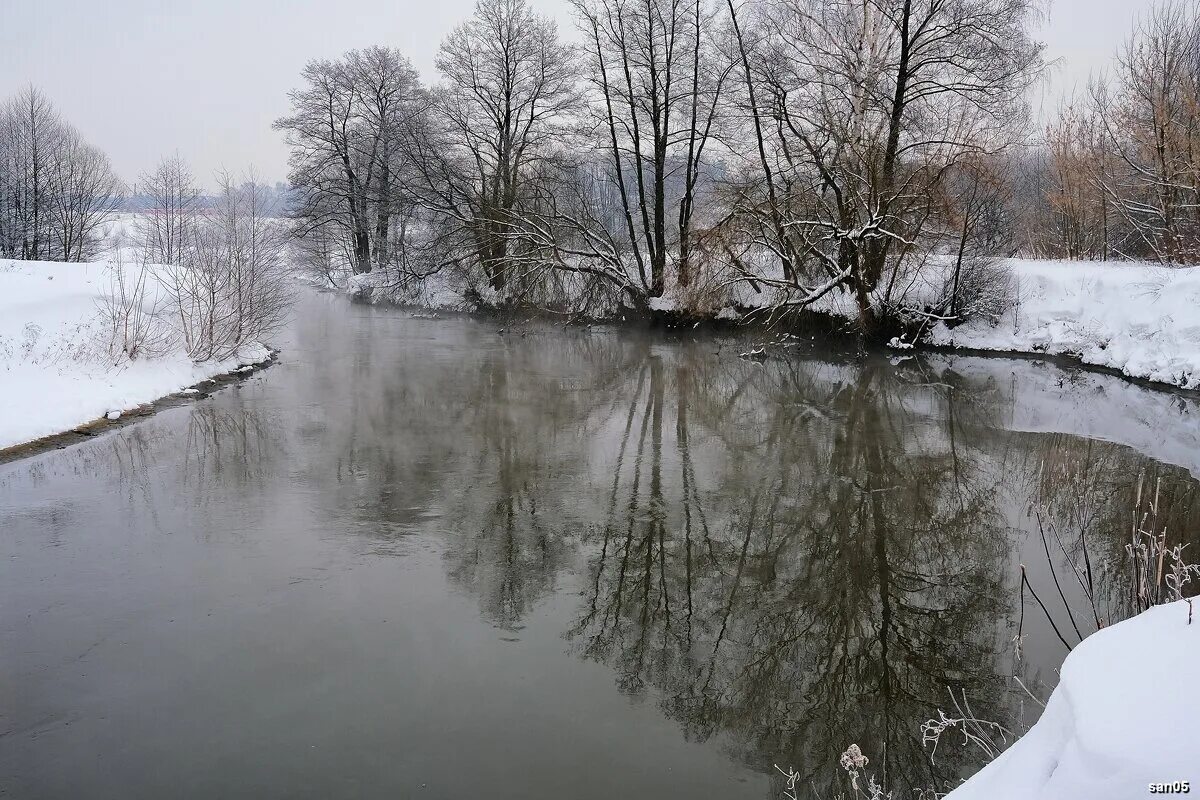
[1122, 718]
[386, 287]
[1140, 319]
[55, 369]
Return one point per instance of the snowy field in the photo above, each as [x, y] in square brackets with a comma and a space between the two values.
[1119, 723]
[57, 370]
[1140, 319]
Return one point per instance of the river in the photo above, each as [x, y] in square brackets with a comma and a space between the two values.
[424, 558]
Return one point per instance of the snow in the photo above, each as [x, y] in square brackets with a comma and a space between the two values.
[121, 230]
[728, 314]
[55, 369]
[386, 287]
[1121, 718]
[662, 304]
[1140, 319]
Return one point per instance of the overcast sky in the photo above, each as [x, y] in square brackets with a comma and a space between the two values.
[206, 77]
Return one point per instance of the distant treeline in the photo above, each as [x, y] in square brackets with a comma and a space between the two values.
[277, 198]
[773, 155]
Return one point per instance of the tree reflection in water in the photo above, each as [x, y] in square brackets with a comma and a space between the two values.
[821, 579]
[786, 557]
[791, 556]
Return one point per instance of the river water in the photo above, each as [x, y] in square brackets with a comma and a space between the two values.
[426, 559]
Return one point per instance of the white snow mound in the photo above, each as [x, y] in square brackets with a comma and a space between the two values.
[1122, 718]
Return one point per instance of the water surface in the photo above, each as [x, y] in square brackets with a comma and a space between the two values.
[421, 558]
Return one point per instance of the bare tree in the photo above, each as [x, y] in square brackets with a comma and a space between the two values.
[980, 226]
[229, 288]
[859, 107]
[802, 148]
[165, 229]
[510, 90]
[1150, 115]
[131, 310]
[657, 82]
[84, 193]
[344, 133]
[30, 132]
[55, 188]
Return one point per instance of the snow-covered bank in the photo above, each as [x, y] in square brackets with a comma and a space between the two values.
[1121, 720]
[438, 292]
[56, 368]
[1140, 319]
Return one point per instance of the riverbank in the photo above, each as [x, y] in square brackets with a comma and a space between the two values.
[57, 361]
[1142, 320]
[1139, 320]
[1119, 723]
